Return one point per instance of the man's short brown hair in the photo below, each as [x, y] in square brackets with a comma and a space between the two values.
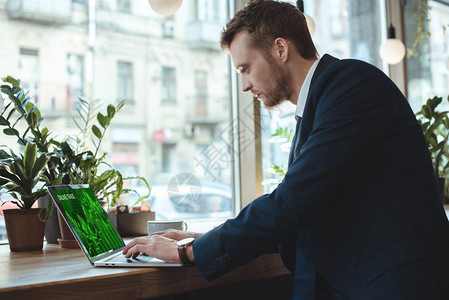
[267, 20]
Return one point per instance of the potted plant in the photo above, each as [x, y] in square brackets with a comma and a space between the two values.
[22, 119]
[435, 125]
[19, 177]
[108, 185]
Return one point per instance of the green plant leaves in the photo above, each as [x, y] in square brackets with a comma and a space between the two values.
[11, 80]
[435, 126]
[10, 131]
[4, 154]
[3, 121]
[111, 111]
[427, 111]
[3, 181]
[96, 132]
[39, 165]
[103, 120]
[29, 157]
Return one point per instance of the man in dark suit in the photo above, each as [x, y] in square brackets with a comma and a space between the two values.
[358, 214]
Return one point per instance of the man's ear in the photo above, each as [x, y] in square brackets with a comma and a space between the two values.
[281, 49]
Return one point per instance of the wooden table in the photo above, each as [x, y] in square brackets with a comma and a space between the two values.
[56, 273]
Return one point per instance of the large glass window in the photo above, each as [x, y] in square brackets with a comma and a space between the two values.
[109, 55]
[428, 70]
[344, 29]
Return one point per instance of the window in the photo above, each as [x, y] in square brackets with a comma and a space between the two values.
[168, 157]
[75, 78]
[201, 93]
[125, 81]
[427, 73]
[133, 59]
[169, 27]
[29, 71]
[168, 85]
[345, 29]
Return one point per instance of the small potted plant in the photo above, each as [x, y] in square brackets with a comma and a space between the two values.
[108, 185]
[19, 177]
[435, 125]
[23, 120]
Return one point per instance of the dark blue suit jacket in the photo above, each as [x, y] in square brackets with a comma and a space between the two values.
[358, 214]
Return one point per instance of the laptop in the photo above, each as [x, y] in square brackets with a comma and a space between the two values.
[93, 230]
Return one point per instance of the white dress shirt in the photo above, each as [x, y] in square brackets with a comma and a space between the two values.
[305, 91]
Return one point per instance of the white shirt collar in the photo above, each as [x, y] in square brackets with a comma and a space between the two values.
[305, 90]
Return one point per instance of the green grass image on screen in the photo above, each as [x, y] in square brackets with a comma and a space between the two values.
[89, 220]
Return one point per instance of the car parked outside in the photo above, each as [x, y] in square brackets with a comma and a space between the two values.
[211, 201]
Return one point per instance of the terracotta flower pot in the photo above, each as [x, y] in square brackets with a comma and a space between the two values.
[25, 230]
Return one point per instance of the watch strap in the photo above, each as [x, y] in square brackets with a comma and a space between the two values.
[182, 252]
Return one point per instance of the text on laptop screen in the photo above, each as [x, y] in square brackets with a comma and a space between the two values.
[89, 220]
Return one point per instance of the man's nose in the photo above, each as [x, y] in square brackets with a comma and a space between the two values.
[246, 84]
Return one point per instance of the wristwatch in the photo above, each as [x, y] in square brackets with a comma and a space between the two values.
[182, 246]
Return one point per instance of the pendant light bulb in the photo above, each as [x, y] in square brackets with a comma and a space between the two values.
[392, 51]
[165, 7]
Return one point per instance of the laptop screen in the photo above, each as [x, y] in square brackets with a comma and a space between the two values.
[88, 220]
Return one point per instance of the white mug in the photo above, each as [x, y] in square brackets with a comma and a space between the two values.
[157, 225]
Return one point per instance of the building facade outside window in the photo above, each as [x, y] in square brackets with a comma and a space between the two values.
[129, 56]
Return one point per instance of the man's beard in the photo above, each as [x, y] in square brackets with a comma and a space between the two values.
[279, 91]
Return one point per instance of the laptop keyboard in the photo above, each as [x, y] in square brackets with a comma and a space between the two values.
[142, 258]
[120, 258]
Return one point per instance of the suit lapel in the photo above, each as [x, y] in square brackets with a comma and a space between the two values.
[309, 109]
[302, 132]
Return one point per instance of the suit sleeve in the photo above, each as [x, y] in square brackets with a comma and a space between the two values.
[350, 122]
